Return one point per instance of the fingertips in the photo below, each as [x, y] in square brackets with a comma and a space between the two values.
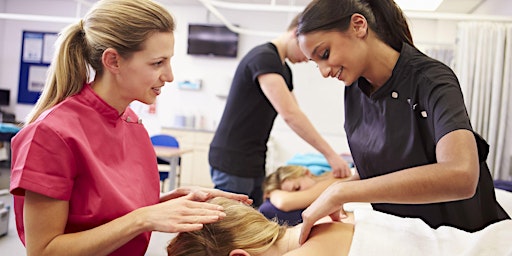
[206, 219]
[343, 214]
[190, 227]
[303, 237]
[213, 207]
[304, 232]
[217, 216]
[335, 217]
[222, 214]
[247, 201]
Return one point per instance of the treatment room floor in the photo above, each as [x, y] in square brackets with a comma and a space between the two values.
[10, 244]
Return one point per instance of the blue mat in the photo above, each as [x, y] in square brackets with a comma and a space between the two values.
[9, 128]
[503, 184]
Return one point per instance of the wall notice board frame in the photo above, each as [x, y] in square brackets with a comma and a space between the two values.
[37, 49]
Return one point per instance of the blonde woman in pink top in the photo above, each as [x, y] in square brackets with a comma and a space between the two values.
[84, 172]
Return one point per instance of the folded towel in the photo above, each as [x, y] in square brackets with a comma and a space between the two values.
[377, 233]
[308, 159]
[315, 162]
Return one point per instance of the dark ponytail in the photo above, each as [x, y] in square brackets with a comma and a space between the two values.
[384, 17]
[392, 26]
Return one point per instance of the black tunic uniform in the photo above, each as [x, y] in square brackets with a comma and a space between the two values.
[240, 143]
[398, 127]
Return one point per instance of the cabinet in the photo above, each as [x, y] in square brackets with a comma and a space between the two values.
[195, 169]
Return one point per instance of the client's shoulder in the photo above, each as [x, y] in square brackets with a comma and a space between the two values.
[327, 239]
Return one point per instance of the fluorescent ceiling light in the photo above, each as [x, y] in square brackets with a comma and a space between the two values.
[418, 5]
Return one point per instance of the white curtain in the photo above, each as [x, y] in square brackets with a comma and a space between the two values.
[483, 64]
[443, 53]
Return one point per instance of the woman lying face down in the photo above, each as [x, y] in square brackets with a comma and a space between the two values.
[290, 189]
[282, 187]
[291, 178]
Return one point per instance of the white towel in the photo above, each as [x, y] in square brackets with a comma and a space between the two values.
[377, 233]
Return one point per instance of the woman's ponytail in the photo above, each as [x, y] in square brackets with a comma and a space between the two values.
[392, 26]
[67, 73]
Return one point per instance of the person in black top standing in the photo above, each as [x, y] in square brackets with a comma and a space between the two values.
[261, 89]
[408, 130]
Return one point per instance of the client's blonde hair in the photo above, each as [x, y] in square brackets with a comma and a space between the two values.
[242, 228]
[274, 180]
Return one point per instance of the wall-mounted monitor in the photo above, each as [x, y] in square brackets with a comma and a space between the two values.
[5, 97]
[212, 40]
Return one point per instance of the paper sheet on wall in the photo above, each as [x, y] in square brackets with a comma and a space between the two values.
[36, 78]
[33, 47]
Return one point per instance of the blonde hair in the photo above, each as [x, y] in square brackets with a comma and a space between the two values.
[123, 25]
[242, 228]
[274, 180]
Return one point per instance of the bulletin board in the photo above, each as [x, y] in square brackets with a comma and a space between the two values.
[37, 50]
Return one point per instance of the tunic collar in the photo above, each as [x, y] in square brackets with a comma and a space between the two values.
[389, 85]
[103, 108]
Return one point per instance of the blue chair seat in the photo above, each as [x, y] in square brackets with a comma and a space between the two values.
[165, 140]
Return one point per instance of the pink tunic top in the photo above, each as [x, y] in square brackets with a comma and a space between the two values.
[83, 152]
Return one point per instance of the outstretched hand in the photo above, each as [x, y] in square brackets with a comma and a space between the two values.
[324, 205]
[340, 167]
[185, 209]
[181, 214]
[203, 194]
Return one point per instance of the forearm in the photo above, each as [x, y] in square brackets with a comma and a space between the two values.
[303, 127]
[101, 240]
[289, 201]
[276, 90]
[454, 176]
[419, 185]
